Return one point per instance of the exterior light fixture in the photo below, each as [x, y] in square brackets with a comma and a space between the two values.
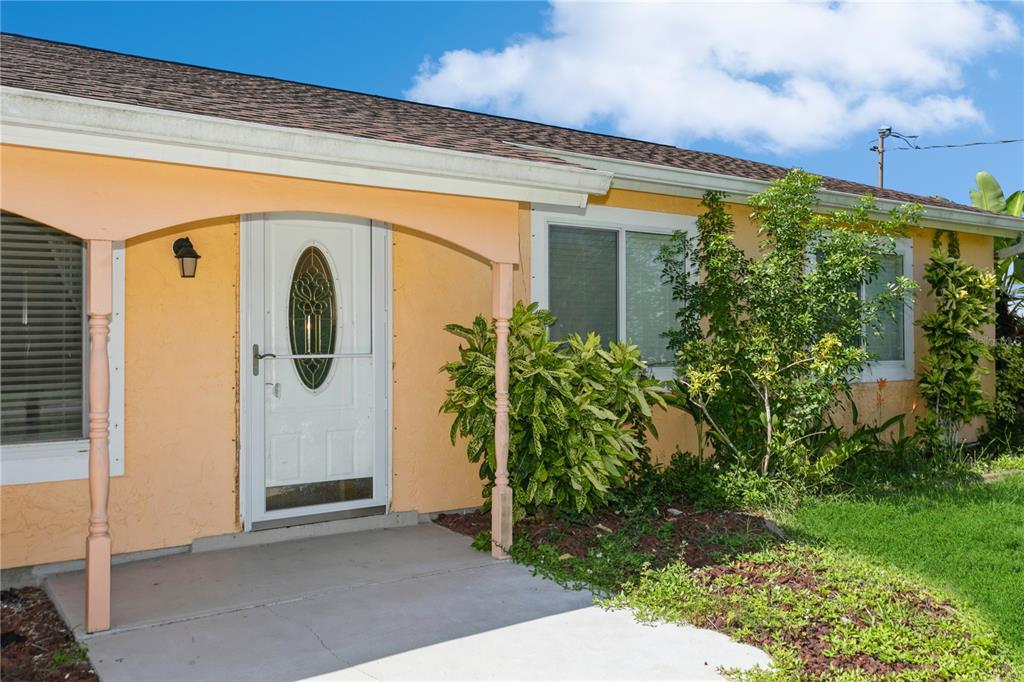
[186, 255]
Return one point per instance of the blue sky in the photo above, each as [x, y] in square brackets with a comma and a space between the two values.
[807, 85]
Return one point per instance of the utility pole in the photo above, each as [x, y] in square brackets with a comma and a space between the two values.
[883, 133]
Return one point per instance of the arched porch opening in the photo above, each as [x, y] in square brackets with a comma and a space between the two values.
[106, 199]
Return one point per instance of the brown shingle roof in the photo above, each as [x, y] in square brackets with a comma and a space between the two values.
[63, 69]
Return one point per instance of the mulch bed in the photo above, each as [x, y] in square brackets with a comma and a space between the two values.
[811, 643]
[693, 537]
[34, 642]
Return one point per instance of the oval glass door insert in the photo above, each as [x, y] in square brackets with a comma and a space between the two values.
[312, 322]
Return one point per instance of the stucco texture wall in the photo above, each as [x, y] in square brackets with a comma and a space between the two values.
[181, 383]
[181, 339]
[875, 402]
[434, 285]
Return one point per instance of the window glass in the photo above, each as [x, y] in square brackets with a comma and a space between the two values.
[311, 324]
[583, 281]
[42, 333]
[887, 343]
[650, 310]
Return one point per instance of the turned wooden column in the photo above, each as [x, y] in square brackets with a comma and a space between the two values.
[97, 544]
[501, 495]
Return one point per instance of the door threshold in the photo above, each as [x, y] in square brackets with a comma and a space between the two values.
[318, 518]
[298, 528]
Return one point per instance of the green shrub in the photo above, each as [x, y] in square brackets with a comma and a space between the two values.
[1006, 420]
[577, 411]
[964, 299]
[712, 484]
[768, 346]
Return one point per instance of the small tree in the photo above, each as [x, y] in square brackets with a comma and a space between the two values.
[767, 346]
[965, 299]
[1009, 258]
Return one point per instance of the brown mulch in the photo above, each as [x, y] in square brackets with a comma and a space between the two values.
[811, 643]
[34, 642]
[692, 538]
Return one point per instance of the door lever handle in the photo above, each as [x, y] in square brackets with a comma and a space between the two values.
[256, 357]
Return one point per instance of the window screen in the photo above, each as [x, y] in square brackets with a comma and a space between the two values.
[887, 344]
[42, 333]
[650, 310]
[583, 281]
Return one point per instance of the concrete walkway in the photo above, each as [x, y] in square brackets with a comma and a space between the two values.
[405, 603]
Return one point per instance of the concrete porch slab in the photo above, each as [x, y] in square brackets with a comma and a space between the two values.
[187, 586]
[402, 603]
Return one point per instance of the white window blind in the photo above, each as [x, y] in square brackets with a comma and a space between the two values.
[42, 333]
[584, 286]
[650, 310]
[887, 343]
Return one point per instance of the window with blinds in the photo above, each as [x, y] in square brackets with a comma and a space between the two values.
[886, 344]
[42, 333]
[583, 281]
[585, 289]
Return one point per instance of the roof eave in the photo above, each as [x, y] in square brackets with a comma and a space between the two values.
[658, 179]
[39, 119]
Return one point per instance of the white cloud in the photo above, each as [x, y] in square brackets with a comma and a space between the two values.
[785, 76]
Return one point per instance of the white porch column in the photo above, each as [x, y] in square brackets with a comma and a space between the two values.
[501, 495]
[97, 544]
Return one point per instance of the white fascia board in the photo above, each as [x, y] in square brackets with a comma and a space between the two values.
[649, 177]
[38, 119]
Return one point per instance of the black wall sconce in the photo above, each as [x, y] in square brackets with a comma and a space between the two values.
[186, 255]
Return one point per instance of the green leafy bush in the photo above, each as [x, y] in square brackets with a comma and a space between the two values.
[964, 299]
[577, 411]
[709, 483]
[767, 346]
[1010, 266]
[1006, 420]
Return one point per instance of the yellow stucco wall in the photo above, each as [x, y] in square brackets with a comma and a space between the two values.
[181, 344]
[875, 403]
[181, 339]
[434, 285]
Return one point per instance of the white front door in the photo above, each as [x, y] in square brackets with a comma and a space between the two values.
[317, 328]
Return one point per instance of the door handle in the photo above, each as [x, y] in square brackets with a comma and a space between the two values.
[256, 357]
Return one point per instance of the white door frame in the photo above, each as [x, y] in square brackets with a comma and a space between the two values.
[251, 390]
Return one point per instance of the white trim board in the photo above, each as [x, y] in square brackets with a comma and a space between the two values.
[37, 119]
[69, 460]
[657, 179]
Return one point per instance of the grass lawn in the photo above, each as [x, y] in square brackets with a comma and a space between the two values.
[967, 540]
[824, 610]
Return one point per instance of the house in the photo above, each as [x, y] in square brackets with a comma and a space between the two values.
[223, 294]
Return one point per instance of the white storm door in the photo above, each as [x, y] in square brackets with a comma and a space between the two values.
[319, 322]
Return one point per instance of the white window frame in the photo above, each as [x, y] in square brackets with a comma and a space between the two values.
[69, 460]
[897, 370]
[622, 220]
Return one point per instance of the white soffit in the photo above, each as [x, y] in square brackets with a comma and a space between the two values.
[38, 119]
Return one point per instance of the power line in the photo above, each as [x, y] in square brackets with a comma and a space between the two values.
[914, 147]
[911, 145]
